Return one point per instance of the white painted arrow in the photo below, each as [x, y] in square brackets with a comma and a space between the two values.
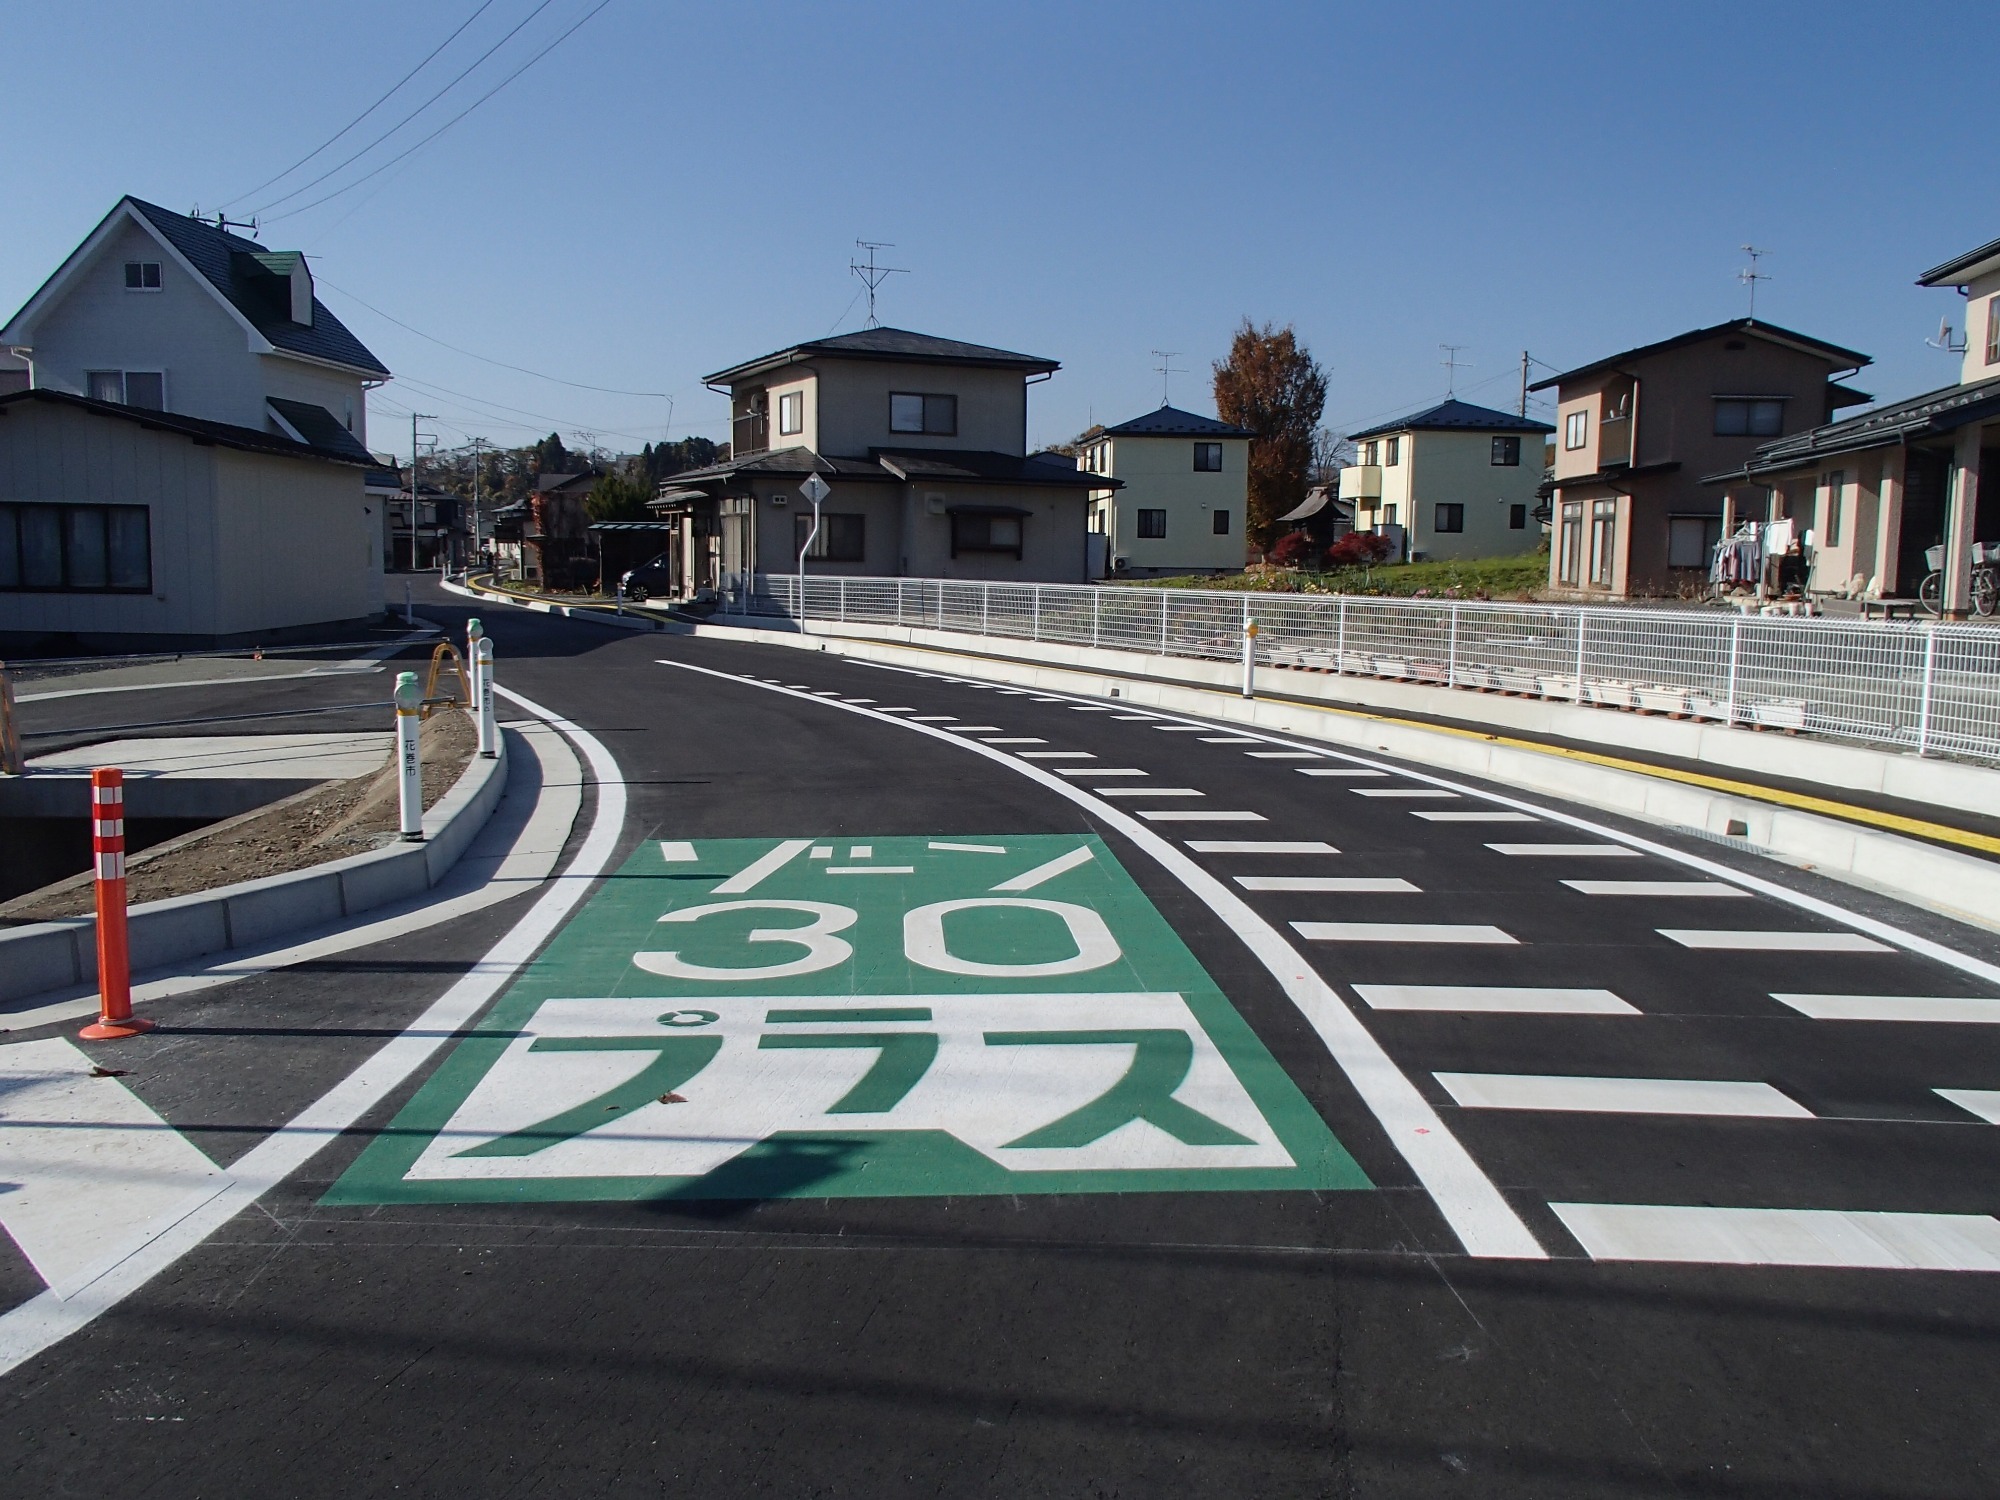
[88, 1171]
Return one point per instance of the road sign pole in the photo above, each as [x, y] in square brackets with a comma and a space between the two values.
[815, 489]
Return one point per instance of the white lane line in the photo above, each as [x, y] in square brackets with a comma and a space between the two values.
[1976, 1010]
[1521, 1000]
[1772, 942]
[1528, 812]
[1621, 1096]
[1656, 888]
[1099, 771]
[934, 718]
[857, 700]
[798, 687]
[1478, 1214]
[1057, 755]
[1088, 708]
[898, 709]
[1341, 771]
[1982, 1102]
[861, 851]
[1193, 816]
[820, 851]
[1565, 851]
[1018, 739]
[768, 863]
[1282, 754]
[1261, 846]
[1358, 884]
[33, 1326]
[968, 848]
[1148, 791]
[1400, 791]
[1401, 932]
[975, 728]
[826, 692]
[1131, 718]
[871, 869]
[1230, 739]
[1044, 700]
[1784, 1236]
[1180, 728]
[677, 851]
[1043, 873]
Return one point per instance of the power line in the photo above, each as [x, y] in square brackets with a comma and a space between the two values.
[425, 387]
[420, 109]
[483, 359]
[366, 112]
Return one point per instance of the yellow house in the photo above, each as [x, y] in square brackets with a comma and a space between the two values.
[1455, 481]
[1186, 485]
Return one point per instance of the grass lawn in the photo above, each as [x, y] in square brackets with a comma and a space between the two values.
[1490, 577]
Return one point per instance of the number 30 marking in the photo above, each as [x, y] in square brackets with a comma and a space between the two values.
[823, 949]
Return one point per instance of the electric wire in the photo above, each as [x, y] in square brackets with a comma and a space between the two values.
[366, 112]
[383, 167]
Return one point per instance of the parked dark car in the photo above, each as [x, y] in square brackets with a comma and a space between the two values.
[650, 578]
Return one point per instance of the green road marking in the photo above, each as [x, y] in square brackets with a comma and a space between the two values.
[826, 1035]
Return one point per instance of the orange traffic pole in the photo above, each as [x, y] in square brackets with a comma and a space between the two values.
[114, 957]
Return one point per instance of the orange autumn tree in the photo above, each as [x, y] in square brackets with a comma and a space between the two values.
[1271, 386]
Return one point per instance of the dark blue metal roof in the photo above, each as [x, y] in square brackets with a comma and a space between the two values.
[1171, 421]
[1457, 416]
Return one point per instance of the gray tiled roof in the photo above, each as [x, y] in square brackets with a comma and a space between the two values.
[901, 465]
[220, 434]
[892, 344]
[319, 427]
[1171, 421]
[231, 265]
[1749, 327]
[1458, 416]
[1938, 411]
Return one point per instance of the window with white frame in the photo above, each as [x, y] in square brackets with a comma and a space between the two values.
[791, 413]
[142, 276]
[1208, 458]
[1576, 430]
[931, 415]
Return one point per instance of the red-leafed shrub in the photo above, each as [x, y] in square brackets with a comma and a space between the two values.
[1358, 549]
[1292, 550]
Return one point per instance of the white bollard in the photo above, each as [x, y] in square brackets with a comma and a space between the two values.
[409, 758]
[1249, 658]
[489, 728]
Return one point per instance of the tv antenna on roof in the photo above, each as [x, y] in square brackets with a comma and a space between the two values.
[1451, 363]
[873, 275]
[223, 223]
[1165, 369]
[1750, 275]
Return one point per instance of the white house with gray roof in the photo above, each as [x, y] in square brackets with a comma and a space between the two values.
[1185, 482]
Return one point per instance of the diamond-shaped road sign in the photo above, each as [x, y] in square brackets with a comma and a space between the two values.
[815, 489]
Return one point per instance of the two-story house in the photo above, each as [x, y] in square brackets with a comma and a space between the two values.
[1637, 432]
[1453, 481]
[924, 442]
[1186, 493]
[1880, 489]
[211, 420]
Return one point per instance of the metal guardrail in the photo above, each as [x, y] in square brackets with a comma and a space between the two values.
[1931, 689]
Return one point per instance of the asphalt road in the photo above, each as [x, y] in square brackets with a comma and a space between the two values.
[1102, 1197]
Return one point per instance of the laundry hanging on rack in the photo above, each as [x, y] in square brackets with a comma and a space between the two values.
[1739, 558]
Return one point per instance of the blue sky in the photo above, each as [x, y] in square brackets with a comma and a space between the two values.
[676, 188]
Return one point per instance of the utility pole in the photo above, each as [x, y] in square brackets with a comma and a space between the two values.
[1524, 382]
[415, 416]
[475, 498]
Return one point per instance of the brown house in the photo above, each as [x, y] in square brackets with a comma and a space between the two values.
[1638, 431]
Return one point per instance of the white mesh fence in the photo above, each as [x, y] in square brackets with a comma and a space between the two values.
[1934, 689]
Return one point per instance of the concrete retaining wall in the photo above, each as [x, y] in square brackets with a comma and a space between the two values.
[63, 954]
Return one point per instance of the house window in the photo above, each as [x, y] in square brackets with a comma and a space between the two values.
[1208, 458]
[1737, 417]
[985, 531]
[1691, 540]
[1603, 537]
[146, 388]
[791, 413]
[933, 416]
[1836, 495]
[1368, 454]
[1392, 452]
[1569, 546]
[1153, 524]
[142, 276]
[1449, 518]
[105, 385]
[1506, 453]
[1219, 522]
[1388, 515]
[1576, 430]
[76, 548]
[1993, 330]
[1517, 517]
[842, 536]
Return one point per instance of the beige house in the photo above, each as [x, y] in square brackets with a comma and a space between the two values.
[1637, 431]
[1878, 490]
[1186, 493]
[923, 441]
[1454, 481]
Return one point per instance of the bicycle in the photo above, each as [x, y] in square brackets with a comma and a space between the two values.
[1985, 580]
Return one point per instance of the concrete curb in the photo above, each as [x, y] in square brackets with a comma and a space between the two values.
[594, 614]
[58, 955]
[1940, 880]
